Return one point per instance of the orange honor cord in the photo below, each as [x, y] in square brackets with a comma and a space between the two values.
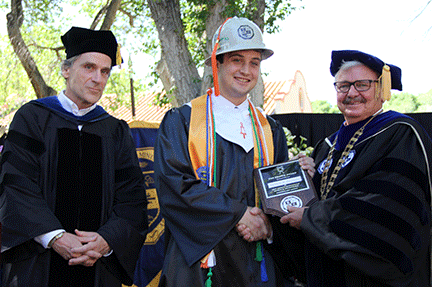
[213, 61]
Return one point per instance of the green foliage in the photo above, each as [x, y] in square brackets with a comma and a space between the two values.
[46, 20]
[275, 10]
[321, 106]
[278, 10]
[294, 148]
[13, 78]
[161, 100]
[400, 102]
[15, 87]
[403, 103]
[118, 84]
[42, 11]
[426, 102]
[195, 12]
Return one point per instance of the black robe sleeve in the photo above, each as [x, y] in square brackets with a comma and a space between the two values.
[378, 222]
[25, 211]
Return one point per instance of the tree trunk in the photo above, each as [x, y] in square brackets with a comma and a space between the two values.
[213, 22]
[110, 14]
[258, 13]
[166, 15]
[257, 93]
[14, 23]
[215, 19]
[98, 17]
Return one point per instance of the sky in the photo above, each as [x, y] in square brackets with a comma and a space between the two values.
[383, 28]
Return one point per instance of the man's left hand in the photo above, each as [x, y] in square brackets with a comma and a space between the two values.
[294, 217]
[306, 163]
[90, 252]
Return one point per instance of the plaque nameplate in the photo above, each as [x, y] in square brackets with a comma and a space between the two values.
[282, 185]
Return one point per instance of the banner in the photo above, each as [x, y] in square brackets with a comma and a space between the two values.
[149, 264]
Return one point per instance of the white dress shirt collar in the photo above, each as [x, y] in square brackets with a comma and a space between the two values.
[233, 123]
[71, 107]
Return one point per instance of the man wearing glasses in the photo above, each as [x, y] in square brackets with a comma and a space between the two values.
[371, 226]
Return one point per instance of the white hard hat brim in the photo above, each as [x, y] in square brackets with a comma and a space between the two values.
[265, 53]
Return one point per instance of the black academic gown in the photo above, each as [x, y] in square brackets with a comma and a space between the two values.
[200, 218]
[374, 227]
[56, 177]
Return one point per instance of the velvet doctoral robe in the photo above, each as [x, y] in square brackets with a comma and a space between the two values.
[55, 176]
[374, 227]
[200, 218]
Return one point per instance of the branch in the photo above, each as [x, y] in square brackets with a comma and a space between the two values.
[424, 8]
[129, 15]
[110, 14]
[98, 17]
[56, 49]
[14, 23]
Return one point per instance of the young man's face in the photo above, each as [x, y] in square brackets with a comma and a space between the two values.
[238, 74]
[86, 78]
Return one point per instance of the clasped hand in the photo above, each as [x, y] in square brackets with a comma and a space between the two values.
[254, 225]
[81, 248]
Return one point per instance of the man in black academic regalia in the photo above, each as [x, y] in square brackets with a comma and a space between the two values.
[371, 226]
[72, 202]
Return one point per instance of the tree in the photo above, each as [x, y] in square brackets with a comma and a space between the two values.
[184, 30]
[16, 79]
[179, 64]
[425, 101]
[175, 42]
[324, 107]
[403, 103]
[14, 22]
[400, 102]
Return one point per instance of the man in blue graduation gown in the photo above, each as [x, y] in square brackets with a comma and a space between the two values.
[203, 198]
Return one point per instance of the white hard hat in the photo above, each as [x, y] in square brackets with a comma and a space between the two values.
[239, 34]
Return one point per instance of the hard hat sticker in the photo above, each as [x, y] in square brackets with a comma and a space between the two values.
[245, 32]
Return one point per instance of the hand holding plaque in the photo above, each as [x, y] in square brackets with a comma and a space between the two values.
[282, 185]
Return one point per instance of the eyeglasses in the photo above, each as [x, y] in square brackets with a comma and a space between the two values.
[360, 85]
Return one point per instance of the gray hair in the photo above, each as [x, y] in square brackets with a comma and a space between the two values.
[345, 65]
[67, 63]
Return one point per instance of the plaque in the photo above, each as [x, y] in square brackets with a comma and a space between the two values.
[282, 185]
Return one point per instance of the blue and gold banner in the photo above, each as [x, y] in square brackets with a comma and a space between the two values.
[149, 265]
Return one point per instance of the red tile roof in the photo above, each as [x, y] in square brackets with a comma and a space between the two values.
[145, 110]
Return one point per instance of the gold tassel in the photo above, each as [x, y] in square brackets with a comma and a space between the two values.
[118, 56]
[385, 82]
